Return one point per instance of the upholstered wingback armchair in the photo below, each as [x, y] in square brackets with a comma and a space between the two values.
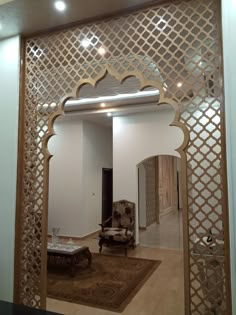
[122, 232]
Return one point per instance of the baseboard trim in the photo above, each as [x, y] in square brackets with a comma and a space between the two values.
[142, 228]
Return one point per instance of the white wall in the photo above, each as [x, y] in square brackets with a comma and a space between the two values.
[135, 138]
[65, 181]
[81, 149]
[97, 154]
[229, 47]
[9, 102]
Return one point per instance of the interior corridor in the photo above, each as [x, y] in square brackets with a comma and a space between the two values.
[168, 234]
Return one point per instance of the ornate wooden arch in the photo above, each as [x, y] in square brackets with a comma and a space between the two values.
[144, 83]
[186, 48]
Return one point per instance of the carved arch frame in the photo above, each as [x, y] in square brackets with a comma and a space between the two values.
[144, 83]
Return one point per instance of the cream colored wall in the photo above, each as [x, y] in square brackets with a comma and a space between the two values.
[229, 47]
[9, 104]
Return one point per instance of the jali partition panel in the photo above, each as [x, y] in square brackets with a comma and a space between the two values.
[177, 47]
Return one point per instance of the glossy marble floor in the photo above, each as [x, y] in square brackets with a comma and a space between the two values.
[163, 292]
[168, 234]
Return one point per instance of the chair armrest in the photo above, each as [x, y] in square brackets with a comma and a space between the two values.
[103, 224]
[129, 228]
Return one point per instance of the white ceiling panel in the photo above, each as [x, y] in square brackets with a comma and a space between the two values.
[30, 16]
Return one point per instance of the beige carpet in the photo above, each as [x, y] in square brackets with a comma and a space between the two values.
[110, 283]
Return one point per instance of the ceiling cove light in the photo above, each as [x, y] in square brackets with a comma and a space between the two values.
[60, 6]
[112, 98]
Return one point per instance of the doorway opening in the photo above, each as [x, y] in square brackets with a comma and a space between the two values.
[160, 202]
[107, 194]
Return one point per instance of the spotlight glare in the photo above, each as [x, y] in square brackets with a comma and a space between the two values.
[102, 51]
[109, 114]
[85, 43]
[103, 105]
[60, 6]
[179, 84]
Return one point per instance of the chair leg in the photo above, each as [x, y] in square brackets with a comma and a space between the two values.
[133, 244]
[100, 246]
[125, 251]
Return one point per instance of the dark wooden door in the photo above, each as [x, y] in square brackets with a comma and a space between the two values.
[107, 193]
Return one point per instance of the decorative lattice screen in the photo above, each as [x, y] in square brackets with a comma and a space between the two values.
[169, 44]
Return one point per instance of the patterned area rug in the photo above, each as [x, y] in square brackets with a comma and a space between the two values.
[110, 283]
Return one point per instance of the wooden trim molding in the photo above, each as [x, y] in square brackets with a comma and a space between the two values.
[20, 161]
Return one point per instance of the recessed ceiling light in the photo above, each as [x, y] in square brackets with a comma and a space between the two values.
[101, 51]
[103, 105]
[179, 84]
[109, 114]
[60, 6]
[85, 43]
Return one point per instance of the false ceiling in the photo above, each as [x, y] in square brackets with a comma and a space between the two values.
[31, 16]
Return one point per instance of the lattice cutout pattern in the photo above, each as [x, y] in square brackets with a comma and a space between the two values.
[170, 44]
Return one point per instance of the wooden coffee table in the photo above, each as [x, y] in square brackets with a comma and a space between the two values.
[69, 254]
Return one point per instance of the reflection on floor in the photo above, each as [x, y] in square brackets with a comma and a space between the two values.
[167, 234]
[163, 292]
